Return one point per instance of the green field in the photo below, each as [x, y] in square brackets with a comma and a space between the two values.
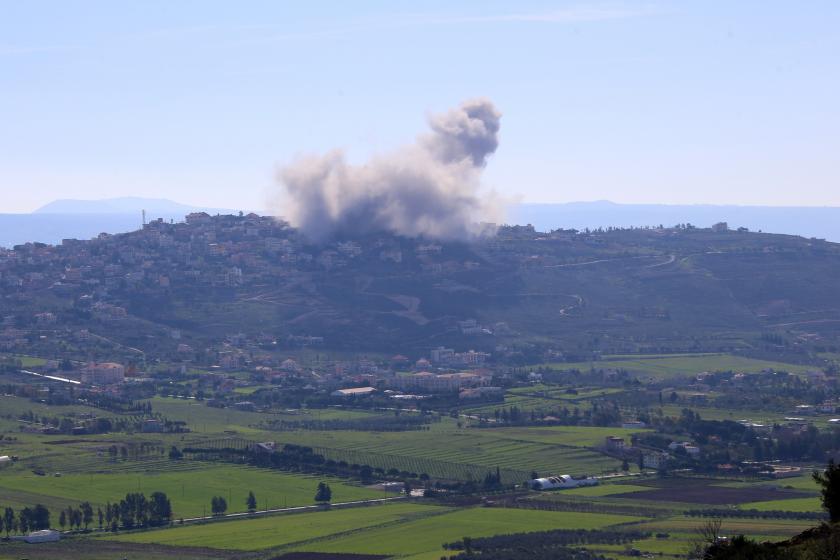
[571, 436]
[269, 532]
[793, 504]
[422, 539]
[204, 419]
[190, 491]
[731, 526]
[409, 530]
[522, 450]
[663, 366]
[604, 490]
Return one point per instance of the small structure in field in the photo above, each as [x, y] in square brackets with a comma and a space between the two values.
[45, 535]
[354, 392]
[562, 482]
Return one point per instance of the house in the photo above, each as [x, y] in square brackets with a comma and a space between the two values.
[268, 447]
[655, 460]
[692, 450]
[446, 382]
[614, 443]
[481, 392]
[633, 424]
[106, 373]
[827, 407]
[153, 426]
[442, 355]
[354, 392]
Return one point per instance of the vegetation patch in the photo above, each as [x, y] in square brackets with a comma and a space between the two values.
[698, 492]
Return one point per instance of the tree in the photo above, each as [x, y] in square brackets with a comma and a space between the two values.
[323, 494]
[87, 514]
[100, 516]
[160, 509]
[625, 466]
[829, 480]
[175, 453]
[24, 516]
[706, 536]
[251, 501]
[40, 517]
[62, 519]
[9, 520]
[218, 505]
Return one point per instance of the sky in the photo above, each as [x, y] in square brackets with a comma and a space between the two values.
[676, 102]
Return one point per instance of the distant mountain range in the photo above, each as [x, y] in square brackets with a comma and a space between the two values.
[83, 219]
[125, 205]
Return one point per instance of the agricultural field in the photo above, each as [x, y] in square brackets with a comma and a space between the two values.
[190, 490]
[408, 530]
[282, 530]
[203, 419]
[669, 365]
[809, 504]
[524, 450]
[448, 448]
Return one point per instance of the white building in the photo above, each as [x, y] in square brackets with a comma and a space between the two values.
[354, 392]
[655, 460]
[688, 447]
[106, 373]
[561, 482]
[47, 535]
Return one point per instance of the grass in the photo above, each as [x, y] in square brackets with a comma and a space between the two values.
[573, 436]
[670, 365]
[207, 420]
[422, 539]
[793, 504]
[522, 449]
[204, 419]
[605, 490]
[190, 491]
[270, 532]
[731, 526]
[404, 529]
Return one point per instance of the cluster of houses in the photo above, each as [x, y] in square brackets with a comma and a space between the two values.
[204, 251]
[648, 458]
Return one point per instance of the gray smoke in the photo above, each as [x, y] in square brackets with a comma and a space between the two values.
[430, 188]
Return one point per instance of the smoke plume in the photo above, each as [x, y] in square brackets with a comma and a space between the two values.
[430, 188]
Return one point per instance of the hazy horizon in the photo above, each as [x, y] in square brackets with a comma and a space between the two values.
[86, 219]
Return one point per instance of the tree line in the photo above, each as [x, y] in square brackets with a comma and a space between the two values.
[27, 519]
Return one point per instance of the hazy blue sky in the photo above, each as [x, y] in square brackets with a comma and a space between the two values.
[674, 102]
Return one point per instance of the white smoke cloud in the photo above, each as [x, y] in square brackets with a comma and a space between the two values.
[430, 188]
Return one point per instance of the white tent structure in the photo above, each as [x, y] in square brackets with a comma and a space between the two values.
[46, 535]
[562, 481]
